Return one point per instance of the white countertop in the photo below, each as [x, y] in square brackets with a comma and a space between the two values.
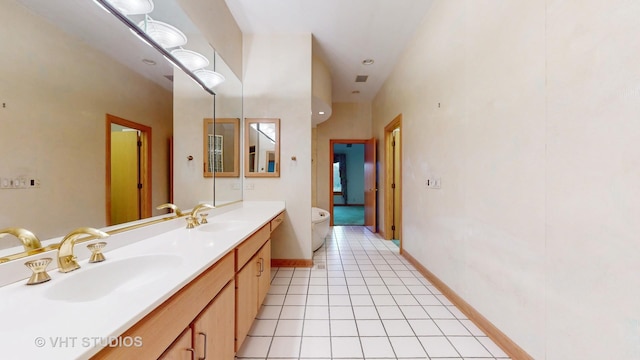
[35, 326]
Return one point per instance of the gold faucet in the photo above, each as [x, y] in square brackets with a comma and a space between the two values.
[172, 207]
[66, 260]
[29, 241]
[194, 213]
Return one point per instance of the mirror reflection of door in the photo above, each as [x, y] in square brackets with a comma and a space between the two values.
[128, 180]
[263, 148]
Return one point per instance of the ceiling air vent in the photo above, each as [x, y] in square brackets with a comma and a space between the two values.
[362, 78]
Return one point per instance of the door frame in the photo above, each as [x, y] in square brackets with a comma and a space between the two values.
[331, 143]
[396, 123]
[145, 165]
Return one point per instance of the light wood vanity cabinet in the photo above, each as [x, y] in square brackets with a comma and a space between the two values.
[252, 280]
[211, 316]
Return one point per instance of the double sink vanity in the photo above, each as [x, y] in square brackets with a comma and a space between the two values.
[164, 291]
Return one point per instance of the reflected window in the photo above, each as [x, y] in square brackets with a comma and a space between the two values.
[337, 181]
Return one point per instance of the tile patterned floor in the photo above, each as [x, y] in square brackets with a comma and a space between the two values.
[361, 300]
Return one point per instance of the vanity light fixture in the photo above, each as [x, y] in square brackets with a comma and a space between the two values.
[210, 78]
[167, 36]
[191, 59]
[132, 7]
[367, 62]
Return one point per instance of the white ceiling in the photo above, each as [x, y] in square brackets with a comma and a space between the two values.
[345, 33]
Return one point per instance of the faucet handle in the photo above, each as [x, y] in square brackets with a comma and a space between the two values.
[192, 222]
[39, 268]
[203, 218]
[96, 251]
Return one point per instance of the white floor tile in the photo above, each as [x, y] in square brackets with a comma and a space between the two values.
[280, 281]
[273, 300]
[425, 327]
[315, 347]
[382, 300]
[361, 300]
[292, 312]
[255, 347]
[390, 312]
[318, 289]
[439, 312]
[375, 348]
[468, 346]
[263, 327]
[286, 347]
[341, 312]
[473, 329]
[346, 347]
[452, 327]
[414, 312]
[318, 281]
[295, 299]
[355, 281]
[371, 281]
[297, 289]
[418, 290]
[398, 328]
[378, 289]
[299, 281]
[427, 300]
[407, 347]
[365, 312]
[405, 300]
[438, 346]
[269, 312]
[289, 328]
[457, 313]
[343, 328]
[317, 312]
[370, 328]
[398, 290]
[316, 328]
[358, 290]
[317, 300]
[339, 300]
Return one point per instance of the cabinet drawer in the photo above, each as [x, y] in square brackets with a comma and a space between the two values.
[277, 221]
[249, 247]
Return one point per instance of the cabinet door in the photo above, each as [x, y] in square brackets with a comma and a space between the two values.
[264, 281]
[246, 298]
[181, 349]
[213, 329]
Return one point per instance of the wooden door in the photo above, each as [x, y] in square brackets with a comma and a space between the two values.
[246, 298]
[213, 329]
[181, 349]
[370, 186]
[125, 167]
[264, 281]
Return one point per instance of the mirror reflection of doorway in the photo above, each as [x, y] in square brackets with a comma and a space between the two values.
[128, 182]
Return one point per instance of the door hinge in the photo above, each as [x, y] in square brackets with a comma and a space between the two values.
[393, 186]
[393, 143]
[139, 186]
[139, 143]
[393, 227]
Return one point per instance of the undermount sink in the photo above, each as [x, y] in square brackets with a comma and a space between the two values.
[94, 281]
[222, 226]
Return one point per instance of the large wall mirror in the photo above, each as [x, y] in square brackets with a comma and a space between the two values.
[71, 66]
[262, 148]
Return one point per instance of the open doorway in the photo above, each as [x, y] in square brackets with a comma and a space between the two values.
[353, 183]
[393, 182]
[128, 170]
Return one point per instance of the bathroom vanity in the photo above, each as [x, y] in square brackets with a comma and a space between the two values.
[178, 294]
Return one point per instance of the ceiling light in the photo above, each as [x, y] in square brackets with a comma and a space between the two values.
[355, 92]
[210, 78]
[167, 36]
[148, 61]
[367, 61]
[191, 59]
[132, 7]
[320, 112]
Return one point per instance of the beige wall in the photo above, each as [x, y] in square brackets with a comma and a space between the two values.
[277, 84]
[535, 140]
[57, 91]
[348, 121]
